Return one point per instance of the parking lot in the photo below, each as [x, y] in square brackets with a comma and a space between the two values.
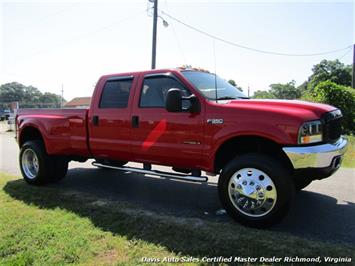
[325, 210]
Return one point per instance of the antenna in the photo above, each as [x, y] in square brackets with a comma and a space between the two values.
[61, 100]
[215, 71]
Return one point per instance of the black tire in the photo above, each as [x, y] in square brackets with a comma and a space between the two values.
[60, 169]
[275, 172]
[301, 182]
[44, 162]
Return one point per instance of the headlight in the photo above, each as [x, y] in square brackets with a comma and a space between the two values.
[310, 132]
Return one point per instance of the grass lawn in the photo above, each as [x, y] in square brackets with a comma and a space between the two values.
[55, 226]
[349, 158]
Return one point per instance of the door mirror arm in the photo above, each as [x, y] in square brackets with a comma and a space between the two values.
[195, 103]
[173, 101]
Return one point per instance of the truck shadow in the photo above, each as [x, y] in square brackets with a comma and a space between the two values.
[313, 216]
[163, 196]
[322, 217]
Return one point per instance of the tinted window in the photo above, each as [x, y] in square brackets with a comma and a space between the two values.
[208, 83]
[115, 93]
[154, 91]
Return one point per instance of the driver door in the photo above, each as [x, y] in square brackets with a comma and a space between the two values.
[161, 137]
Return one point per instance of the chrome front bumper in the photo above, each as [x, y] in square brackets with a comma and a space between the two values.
[317, 156]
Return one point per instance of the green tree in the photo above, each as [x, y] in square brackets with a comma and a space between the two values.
[27, 96]
[259, 94]
[285, 91]
[332, 70]
[50, 100]
[233, 83]
[303, 87]
[340, 96]
[32, 96]
[11, 92]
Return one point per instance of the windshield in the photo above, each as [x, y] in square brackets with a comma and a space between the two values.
[206, 83]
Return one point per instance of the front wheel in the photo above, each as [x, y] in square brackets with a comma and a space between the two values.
[256, 190]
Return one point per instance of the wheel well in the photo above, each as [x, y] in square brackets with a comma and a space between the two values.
[30, 133]
[246, 144]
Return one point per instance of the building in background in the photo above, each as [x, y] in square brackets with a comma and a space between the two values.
[78, 102]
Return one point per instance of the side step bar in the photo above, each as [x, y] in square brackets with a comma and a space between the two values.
[155, 172]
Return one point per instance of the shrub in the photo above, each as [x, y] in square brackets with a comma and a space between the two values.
[339, 96]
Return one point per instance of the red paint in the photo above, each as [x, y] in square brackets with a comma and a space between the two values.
[154, 135]
[162, 137]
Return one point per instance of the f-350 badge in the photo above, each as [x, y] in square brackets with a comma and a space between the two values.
[215, 121]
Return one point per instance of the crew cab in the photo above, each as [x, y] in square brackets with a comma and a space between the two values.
[192, 121]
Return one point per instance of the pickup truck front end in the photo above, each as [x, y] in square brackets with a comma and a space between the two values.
[321, 148]
[322, 160]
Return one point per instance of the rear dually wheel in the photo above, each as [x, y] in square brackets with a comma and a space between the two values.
[39, 168]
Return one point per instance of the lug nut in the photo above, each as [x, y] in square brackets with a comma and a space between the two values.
[244, 183]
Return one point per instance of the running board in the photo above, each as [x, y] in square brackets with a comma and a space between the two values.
[154, 172]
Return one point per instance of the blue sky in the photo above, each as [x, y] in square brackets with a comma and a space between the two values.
[49, 43]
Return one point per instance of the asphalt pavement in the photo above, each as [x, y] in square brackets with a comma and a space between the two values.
[325, 210]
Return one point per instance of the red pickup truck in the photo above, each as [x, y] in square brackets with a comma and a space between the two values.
[193, 121]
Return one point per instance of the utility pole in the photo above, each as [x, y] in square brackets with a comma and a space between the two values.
[154, 44]
[353, 81]
[61, 99]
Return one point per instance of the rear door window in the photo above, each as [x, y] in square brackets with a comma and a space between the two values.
[116, 93]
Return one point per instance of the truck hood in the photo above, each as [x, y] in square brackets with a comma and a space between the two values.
[278, 120]
[295, 108]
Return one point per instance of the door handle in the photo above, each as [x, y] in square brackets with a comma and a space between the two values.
[95, 120]
[135, 121]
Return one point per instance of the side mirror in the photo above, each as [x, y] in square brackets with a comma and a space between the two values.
[173, 101]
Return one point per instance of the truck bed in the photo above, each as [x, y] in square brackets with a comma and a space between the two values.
[64, 130]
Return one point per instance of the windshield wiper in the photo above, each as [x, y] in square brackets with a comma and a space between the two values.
[226, 98]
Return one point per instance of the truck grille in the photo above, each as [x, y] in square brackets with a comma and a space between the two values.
[332, 126]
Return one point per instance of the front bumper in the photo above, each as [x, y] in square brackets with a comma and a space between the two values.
[326, 156]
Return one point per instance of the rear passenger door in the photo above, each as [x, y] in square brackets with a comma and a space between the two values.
[110, 121]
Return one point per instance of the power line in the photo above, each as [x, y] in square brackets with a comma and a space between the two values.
[79, 38]
[88, 34]
[250, 48]
[176, 37]
[344, 54]
[48, 16]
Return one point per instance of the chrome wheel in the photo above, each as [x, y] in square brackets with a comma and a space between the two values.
[30, 164]
[252, 192]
